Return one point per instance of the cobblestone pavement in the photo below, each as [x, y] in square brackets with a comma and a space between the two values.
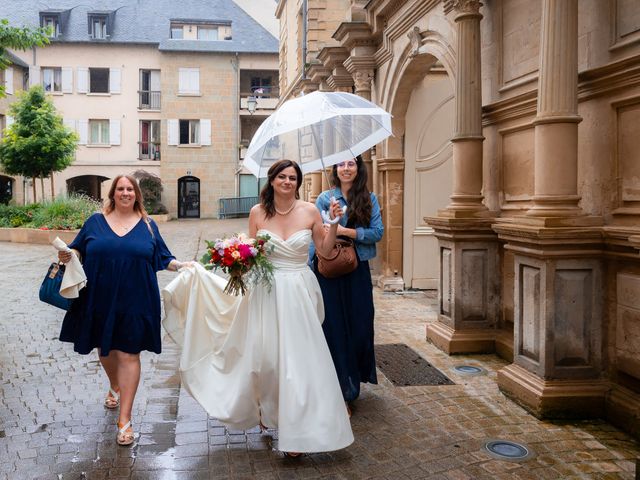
[53, 424]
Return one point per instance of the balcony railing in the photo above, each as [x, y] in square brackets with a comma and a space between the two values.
[149, 150]
[149, 100]
[236, 206]
[262, 92]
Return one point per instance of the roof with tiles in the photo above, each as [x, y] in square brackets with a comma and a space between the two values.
[147, 22]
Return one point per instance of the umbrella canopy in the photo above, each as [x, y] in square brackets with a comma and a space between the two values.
[316, 131]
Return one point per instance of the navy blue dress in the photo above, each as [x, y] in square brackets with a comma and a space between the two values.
[348, 327]
[119, 308]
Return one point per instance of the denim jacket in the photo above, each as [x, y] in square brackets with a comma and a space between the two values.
[366, 236]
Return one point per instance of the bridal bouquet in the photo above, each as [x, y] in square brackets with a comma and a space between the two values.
[244, 259]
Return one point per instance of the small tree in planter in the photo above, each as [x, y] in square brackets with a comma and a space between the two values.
[151, 187]
[37, 144]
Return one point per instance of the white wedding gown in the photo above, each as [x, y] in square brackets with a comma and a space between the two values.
[261, 357]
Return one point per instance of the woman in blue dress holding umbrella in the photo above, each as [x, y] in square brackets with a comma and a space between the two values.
[348, 300]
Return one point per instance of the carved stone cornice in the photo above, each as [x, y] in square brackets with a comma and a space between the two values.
[608, 78]
[462, 7]
[354, 34]
[523, 105]
[355, 63]
[317, 72]
[340, 79]
[389, 164]
[333, 56]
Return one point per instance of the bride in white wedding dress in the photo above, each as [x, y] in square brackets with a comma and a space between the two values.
[262, 359]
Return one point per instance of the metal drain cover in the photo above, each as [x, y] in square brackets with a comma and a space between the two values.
[507, 450]
[469, 370]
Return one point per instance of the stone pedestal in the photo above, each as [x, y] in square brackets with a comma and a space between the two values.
[469, 290]
[557, 345]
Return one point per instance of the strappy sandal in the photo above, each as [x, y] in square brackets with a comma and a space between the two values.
[112, 400]
[125, 434]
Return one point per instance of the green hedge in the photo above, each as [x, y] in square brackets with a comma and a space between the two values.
[63, 213]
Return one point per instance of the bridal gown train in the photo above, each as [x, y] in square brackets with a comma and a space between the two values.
[261, 357]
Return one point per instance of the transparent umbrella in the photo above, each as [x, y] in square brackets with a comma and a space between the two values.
[317, 130]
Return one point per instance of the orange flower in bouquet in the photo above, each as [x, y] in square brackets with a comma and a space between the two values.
[244, 259]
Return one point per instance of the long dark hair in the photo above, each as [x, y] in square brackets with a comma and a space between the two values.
[358, 198]
[266, 195]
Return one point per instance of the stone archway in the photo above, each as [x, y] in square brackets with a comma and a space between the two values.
[89, 185]
[6, 189]
[418, 91]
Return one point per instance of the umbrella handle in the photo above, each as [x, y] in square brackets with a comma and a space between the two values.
[327, 219]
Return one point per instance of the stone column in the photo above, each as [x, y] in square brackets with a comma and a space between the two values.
[469, 290]
[466, 200]
[362, 70]
[556, 123]
[558, 299]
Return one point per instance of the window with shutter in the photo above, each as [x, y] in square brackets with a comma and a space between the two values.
[189, 81]
[99, 80]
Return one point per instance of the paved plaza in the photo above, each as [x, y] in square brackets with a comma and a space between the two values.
[53, 425]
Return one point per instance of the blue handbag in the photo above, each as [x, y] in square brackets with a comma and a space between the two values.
[50, 288]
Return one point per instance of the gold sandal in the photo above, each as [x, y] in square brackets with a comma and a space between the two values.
[125, 434]
[112, 399]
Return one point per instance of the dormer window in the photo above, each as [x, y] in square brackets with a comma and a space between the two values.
[207, 33]
[51, 22]
[98, 27]
[198, 29]
[177, 32]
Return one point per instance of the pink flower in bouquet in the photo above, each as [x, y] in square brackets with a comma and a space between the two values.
[239, 256]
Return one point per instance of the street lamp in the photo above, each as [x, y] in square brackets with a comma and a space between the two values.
[252, 103]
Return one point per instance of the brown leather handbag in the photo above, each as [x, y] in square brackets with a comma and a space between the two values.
[341, 261]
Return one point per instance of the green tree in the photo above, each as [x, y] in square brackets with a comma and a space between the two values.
[18, 38]
[37, 143]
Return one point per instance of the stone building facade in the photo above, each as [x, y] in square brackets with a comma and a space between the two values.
[156, 86]
[511, 183]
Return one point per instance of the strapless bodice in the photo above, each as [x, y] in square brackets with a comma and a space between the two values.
[292, 253]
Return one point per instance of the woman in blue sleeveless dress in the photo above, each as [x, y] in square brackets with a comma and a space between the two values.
[118, 312]
[348, 300]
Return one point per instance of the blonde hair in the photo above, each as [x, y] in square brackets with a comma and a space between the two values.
[138, 205]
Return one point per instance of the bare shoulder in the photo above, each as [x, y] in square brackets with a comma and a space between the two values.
[256, 210]
[307, 206]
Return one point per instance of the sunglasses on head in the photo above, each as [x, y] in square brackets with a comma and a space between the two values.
[350, 164]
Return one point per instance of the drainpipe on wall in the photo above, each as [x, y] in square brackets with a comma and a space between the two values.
[235, 62]
[304, 39]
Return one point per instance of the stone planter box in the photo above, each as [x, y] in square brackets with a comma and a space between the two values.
[33, 235]
[160, 218]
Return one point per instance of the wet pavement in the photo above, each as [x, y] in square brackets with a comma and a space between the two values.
[53, 424]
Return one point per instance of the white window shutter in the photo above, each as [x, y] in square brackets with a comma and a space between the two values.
[70, 123]
[8, 80]
[67, 80]
[83, 130]
[83, 80]
[173, 132]
[183, 79]
[34, 75]
[114, 131]
[155, 80]
[8, 121]
[205, 131]
[195, 80]
[114, 80]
